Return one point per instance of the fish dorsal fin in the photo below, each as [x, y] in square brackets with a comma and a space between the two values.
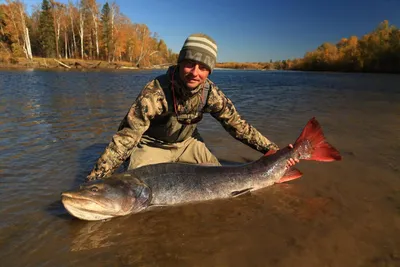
[241, 192]
[289, 175]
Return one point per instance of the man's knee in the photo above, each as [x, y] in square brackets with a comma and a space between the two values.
[146, 155]
[197, 152]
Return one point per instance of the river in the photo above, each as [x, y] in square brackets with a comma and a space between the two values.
[54, 125]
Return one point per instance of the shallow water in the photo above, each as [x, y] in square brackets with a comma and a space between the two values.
[54, 125]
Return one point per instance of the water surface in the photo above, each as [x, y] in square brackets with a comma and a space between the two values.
[54, 125]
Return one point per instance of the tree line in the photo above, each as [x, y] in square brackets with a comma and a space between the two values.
[377, 51]
[84, 30]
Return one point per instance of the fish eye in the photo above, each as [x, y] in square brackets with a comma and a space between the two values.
[94, 189]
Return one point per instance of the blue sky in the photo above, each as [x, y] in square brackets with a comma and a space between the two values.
[256, 30]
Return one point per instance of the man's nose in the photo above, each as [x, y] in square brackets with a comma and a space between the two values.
[195, 70]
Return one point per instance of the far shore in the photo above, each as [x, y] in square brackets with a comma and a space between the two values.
[67, 64]
[88, 65]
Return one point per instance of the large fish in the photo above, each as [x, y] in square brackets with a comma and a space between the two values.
[175, 183]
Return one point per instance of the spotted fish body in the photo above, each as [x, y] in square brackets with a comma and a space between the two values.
[178, 183]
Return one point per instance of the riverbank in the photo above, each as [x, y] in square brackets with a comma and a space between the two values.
[67, 64]
[52, 63]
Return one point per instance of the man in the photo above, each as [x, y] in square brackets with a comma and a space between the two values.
[161, 125]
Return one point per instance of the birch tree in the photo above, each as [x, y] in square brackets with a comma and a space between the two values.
[64, 24]
[57, 11]
[143, 42]
[16, 17]
[72, 13]
[94, 12]
[81, 26]
[114, 14]
[25, 35]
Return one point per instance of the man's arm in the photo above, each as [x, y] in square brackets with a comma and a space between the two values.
[150, 102]
[222, 108]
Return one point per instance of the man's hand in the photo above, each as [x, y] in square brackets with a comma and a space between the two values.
[90, 177]
[291, 162]
[93, 175]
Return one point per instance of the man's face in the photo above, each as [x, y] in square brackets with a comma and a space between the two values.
[193, 73]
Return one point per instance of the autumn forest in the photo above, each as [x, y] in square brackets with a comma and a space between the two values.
[377, 51]
[82, 31]
[87, 31]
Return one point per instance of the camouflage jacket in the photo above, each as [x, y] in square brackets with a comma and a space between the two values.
[154, 114]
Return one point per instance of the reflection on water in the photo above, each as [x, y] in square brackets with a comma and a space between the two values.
[54, 125]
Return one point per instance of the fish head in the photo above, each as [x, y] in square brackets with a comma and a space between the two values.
[104, 199]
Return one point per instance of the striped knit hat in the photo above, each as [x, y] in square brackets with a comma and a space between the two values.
[199, 47]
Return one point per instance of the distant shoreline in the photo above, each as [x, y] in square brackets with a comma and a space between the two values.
[52, 63]
[87, 65]
[72, 64]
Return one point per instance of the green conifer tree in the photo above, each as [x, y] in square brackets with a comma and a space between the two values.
[107, 30]
[46, 31]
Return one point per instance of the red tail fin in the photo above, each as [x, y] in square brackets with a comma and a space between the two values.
[321, 149]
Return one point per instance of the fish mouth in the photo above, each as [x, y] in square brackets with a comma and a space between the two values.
[73, 198]
[87, 215]
[86, 208]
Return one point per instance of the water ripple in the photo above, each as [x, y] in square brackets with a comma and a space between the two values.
[54, 125]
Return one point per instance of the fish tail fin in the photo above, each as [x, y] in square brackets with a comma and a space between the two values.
[318, 148]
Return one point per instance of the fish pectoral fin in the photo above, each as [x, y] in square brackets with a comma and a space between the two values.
[241, 192]
[289, 175]
[270, 152]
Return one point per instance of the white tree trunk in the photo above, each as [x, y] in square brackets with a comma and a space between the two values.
[28, 43]
[25, 34]
[81, 24]
[96, 34]
[66, 43]
[95, 21]
[111, 55]
[74, 46]
[143, 51]
[57, 32]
